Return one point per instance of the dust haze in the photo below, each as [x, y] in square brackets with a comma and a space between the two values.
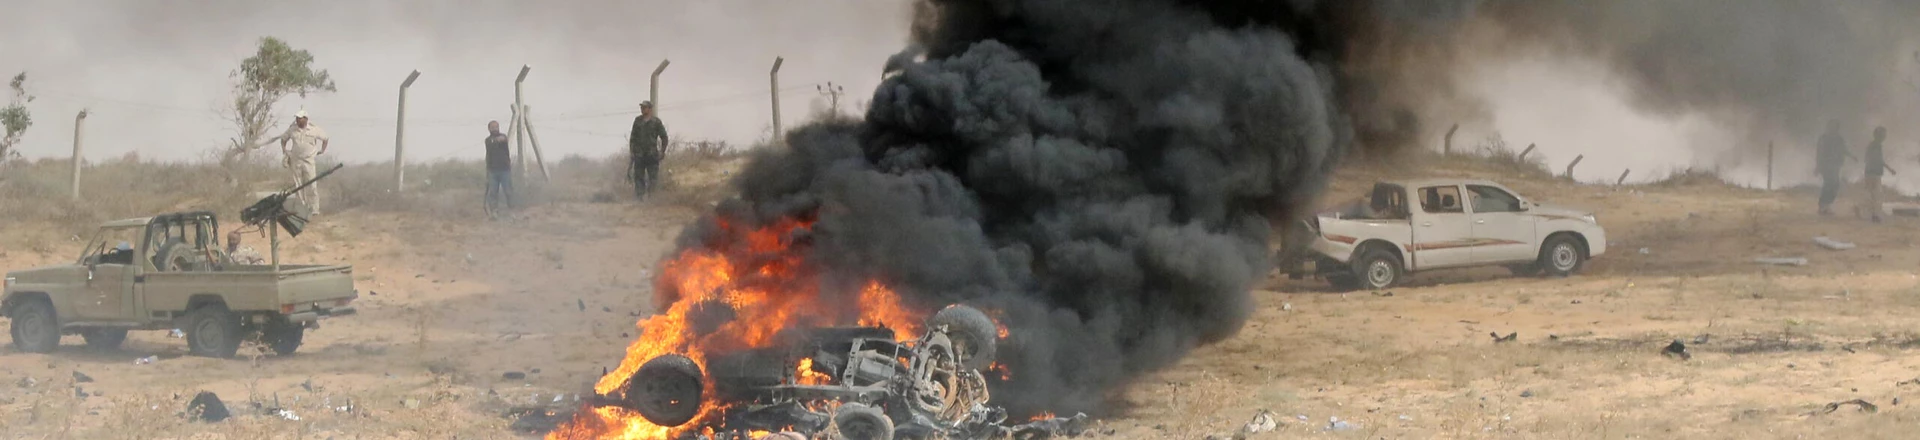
[154, 73]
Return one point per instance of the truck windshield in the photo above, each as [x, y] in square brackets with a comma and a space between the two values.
[113, 246]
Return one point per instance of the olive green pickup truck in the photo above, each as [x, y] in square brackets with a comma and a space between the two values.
[169, 272]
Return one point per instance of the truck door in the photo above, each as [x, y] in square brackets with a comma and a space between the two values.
[1502, 232]
[112, 268]
[1441, 232]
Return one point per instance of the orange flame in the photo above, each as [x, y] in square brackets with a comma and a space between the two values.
[1041, 416]
[805, 375]
[762, 279]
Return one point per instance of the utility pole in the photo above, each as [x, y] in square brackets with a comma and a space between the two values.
[77, 120]
[400, 136]
[521, 139]
[832, 92]
[526, 123]
[1769, 166]
[774, 78]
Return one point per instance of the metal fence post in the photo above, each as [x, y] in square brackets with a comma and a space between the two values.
[78, 120]
[400, 136]
[521, 141]
[774, 78]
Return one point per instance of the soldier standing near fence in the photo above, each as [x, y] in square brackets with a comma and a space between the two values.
[300, 145]
[646, 147]
[1876, 167]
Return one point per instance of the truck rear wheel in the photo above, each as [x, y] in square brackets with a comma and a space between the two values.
[971, 330]
[104, 338]
[283, 337]
[213, 331]
[35, 327]
[1377, 269]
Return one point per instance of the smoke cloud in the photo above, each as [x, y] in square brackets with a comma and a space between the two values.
[1101, 176]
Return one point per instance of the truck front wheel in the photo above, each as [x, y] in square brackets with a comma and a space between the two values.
[35, 328]
[1562, 256]
[213, 331]
[1377, 269]
[283, 337]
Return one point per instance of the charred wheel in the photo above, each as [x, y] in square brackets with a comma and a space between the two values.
[861, 422]
[667, 390]
[972, 332]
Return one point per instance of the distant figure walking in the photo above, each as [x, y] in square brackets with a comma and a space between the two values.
[646, 147]
[1876, 162]
[499, 170]
[301, 143]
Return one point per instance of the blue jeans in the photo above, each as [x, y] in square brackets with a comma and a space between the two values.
[500, 184]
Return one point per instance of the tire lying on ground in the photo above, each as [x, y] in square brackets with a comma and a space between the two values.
[972, 332]
[667, 390]
[860, 422]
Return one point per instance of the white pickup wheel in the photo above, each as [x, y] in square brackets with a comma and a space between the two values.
[1562, 255]
[1377, 268]
[35, 327]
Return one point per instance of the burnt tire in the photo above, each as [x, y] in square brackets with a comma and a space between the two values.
[1377, 269]
[856, 421]
[667, 390]
[1562, 255]
[35, 327]
[104, 338]
[283, 337]
[974, 335]
[213, 331]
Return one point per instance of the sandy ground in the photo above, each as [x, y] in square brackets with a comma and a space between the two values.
[448, 307]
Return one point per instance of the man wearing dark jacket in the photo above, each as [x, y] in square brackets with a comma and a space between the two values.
[646, 147]
[499, 167]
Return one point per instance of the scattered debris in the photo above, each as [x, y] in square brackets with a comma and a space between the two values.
[513, 375]
[207, 407]
[1865, 406]
[1832, 244]
[146, 360]
[1790, 261]
[286, 414]
[1526, 394]
[1383, 294]
[411, 403]
[26, 382]
[1286, 307]
[1914, 381]
[1702, 339]
[1406, 418]
[1335, 424]
[1645, 251]
[370, 349]
[1263, 422]
[535, 420]
[79, 377]
[176, 334]
[1677, 349]
[1896, 401]
[583, 304]
[1064, 427]
[1510, 337]
[533, 371]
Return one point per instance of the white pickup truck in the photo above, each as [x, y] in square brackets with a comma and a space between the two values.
[1375, 242]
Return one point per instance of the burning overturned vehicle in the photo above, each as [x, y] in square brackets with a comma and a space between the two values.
[751, 345]
[857, 382]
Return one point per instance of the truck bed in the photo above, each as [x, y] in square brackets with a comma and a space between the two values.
[252, 287]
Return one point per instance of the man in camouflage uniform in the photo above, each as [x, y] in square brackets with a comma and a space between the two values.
[646, 147]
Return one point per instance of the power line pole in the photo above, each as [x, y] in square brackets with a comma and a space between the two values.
[832, 91]
[773, 77]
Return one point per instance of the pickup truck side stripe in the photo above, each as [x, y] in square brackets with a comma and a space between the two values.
[1342, 238]
[1470, 242]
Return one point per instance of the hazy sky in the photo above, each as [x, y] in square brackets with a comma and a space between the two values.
[154, 73]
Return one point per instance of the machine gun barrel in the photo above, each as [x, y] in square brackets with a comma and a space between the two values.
[316, 178]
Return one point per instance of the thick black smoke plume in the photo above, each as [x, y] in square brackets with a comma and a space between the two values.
[1101, 174]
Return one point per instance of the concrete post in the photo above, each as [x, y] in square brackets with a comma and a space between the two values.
[1447, 147]
[774, 78]
[517, 105]
[1769, 166]
[1623, 177]
[653, 88]
[77, 121]
[526, 123]
[1576, 162]
[1523, 153]
[400, 136]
